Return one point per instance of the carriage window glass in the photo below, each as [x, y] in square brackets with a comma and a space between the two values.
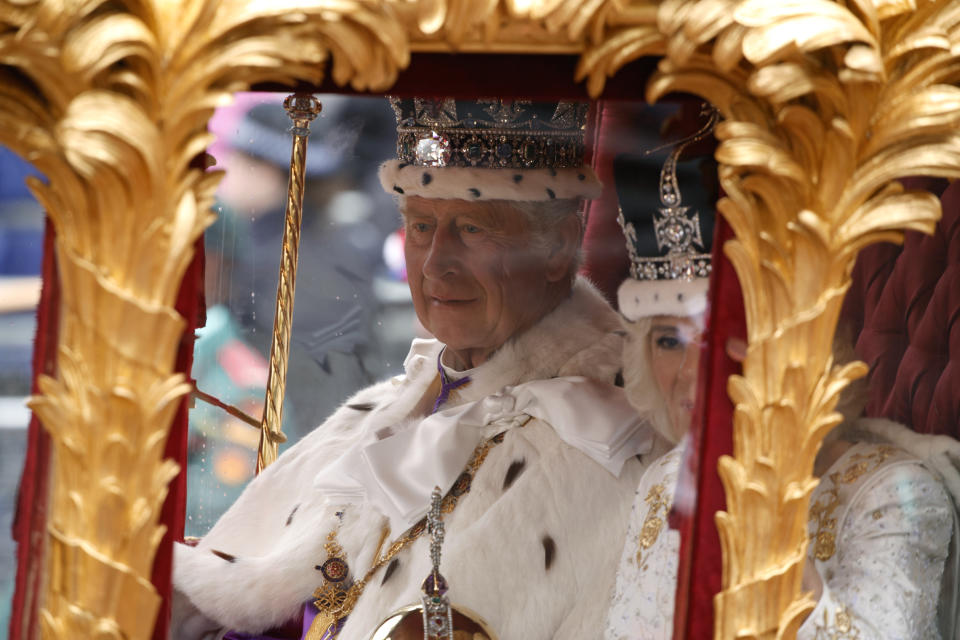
[352, 320]
[649, 227]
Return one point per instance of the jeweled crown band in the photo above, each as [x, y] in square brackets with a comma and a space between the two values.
[683, 267]
[677, 235]
[490, 149]
[490, 133]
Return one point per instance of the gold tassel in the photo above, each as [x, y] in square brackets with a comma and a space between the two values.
[320, 625]
[330, 600]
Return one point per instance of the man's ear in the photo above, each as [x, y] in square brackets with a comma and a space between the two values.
[563, 250]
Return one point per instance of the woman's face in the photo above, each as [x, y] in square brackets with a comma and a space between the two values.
[674, 344]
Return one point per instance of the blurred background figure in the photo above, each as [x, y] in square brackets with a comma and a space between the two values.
[352, 318]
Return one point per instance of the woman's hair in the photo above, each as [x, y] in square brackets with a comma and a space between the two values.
[639, 381]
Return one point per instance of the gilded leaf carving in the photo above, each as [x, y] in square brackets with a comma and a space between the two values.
[110, 101]
[827, 104]
[607, 34]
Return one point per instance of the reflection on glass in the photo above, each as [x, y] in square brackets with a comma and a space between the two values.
[510, 408]
[352, 317]
[558, 485]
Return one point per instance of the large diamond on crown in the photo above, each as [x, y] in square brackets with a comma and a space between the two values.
[676, 231]
[433, 150]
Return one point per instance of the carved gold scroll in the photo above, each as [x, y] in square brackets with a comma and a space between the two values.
[826, 104]
[110, 101]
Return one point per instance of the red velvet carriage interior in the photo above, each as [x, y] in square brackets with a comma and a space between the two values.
[907, 301]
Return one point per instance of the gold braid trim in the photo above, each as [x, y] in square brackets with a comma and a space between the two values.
[335, 603]
[822, 511]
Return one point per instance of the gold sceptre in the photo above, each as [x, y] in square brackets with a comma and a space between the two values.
[302, 108]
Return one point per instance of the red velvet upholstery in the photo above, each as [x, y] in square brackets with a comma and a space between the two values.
[191, 304]
[29, 527]
[908, 302]
[605, 251]
[30, 518]
[464, 75]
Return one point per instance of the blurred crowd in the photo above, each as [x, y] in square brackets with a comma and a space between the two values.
[352, 318]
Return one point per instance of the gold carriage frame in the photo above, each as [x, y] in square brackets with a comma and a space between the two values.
[825, 103]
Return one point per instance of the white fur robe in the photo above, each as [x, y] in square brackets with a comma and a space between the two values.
[533, 551]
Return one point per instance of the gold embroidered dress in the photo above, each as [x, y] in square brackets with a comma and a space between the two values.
[642, 604]
[880, 527]
[880, 530]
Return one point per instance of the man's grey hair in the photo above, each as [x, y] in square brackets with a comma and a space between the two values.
[545, 215]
